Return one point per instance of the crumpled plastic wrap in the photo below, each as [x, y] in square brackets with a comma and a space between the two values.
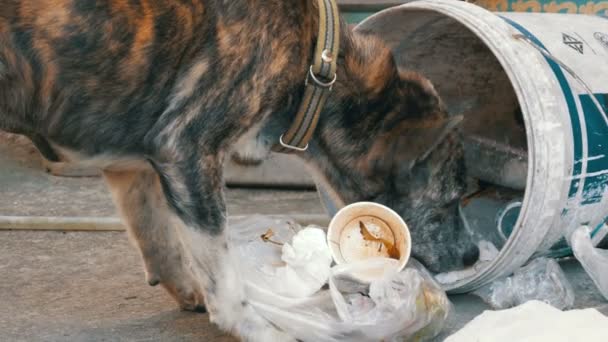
[542, 280]
[594, 260]
[407, 305]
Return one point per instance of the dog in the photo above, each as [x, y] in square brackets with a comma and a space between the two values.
[157, 93]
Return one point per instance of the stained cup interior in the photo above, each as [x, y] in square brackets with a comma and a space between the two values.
[367, 230]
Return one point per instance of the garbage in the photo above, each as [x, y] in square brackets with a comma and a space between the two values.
[399, 305]
[487, 253]
[307, 263]
[535, 321]
[542, 279]
[594, 260]
[365, 230]
[490, 214]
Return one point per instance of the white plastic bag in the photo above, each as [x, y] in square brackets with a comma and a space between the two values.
[542, 279]
[594, 260]
[402, 305]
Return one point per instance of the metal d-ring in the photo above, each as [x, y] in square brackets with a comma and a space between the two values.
[296, 148]
[327, 85]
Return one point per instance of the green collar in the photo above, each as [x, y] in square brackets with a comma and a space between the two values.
[319, 81]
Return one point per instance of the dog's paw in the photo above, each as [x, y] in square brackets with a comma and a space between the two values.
[186, 293]
[247, 159]
[250, 149]
[251, 153]
[192, 301]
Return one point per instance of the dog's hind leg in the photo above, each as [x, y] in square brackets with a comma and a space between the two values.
[193, 185]
[139, 198]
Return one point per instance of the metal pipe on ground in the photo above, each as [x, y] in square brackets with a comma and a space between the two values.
[113, 223]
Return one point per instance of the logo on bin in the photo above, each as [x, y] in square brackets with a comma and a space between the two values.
[602, 38]
[573, 43]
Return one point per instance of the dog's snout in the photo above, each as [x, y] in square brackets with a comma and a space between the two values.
[470, 256]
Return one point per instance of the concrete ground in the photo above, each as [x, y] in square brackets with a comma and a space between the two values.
[78, 286]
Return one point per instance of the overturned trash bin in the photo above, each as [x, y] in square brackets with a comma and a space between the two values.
[533, 90]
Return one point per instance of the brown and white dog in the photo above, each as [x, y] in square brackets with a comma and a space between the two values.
[156, 92]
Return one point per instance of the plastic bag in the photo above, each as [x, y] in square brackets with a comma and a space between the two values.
[594, 260]
[542, 280]
[401, 305]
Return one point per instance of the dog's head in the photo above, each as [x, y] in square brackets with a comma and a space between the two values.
[386, 137]
[380, 123]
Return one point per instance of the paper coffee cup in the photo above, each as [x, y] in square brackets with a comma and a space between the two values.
[366, 230]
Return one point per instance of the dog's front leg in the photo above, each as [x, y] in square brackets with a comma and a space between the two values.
[138, 196]
[194, 189]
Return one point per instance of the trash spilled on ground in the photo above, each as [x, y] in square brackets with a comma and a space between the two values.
[490, 216]
[542, 279]
[594, 260]
[535, 321]
[290, 283]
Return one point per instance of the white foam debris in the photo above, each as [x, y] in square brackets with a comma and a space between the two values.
[535, 321]
[307, 265]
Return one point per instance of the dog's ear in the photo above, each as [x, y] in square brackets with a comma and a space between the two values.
[417, 124]
[408, 143]
[416, 121]
[423, 136]
[415, 99]
[370, 65]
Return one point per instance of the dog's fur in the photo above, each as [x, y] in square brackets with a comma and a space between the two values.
[156, 92]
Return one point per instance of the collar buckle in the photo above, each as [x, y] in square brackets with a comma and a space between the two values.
[291, 147]
[317, 82]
